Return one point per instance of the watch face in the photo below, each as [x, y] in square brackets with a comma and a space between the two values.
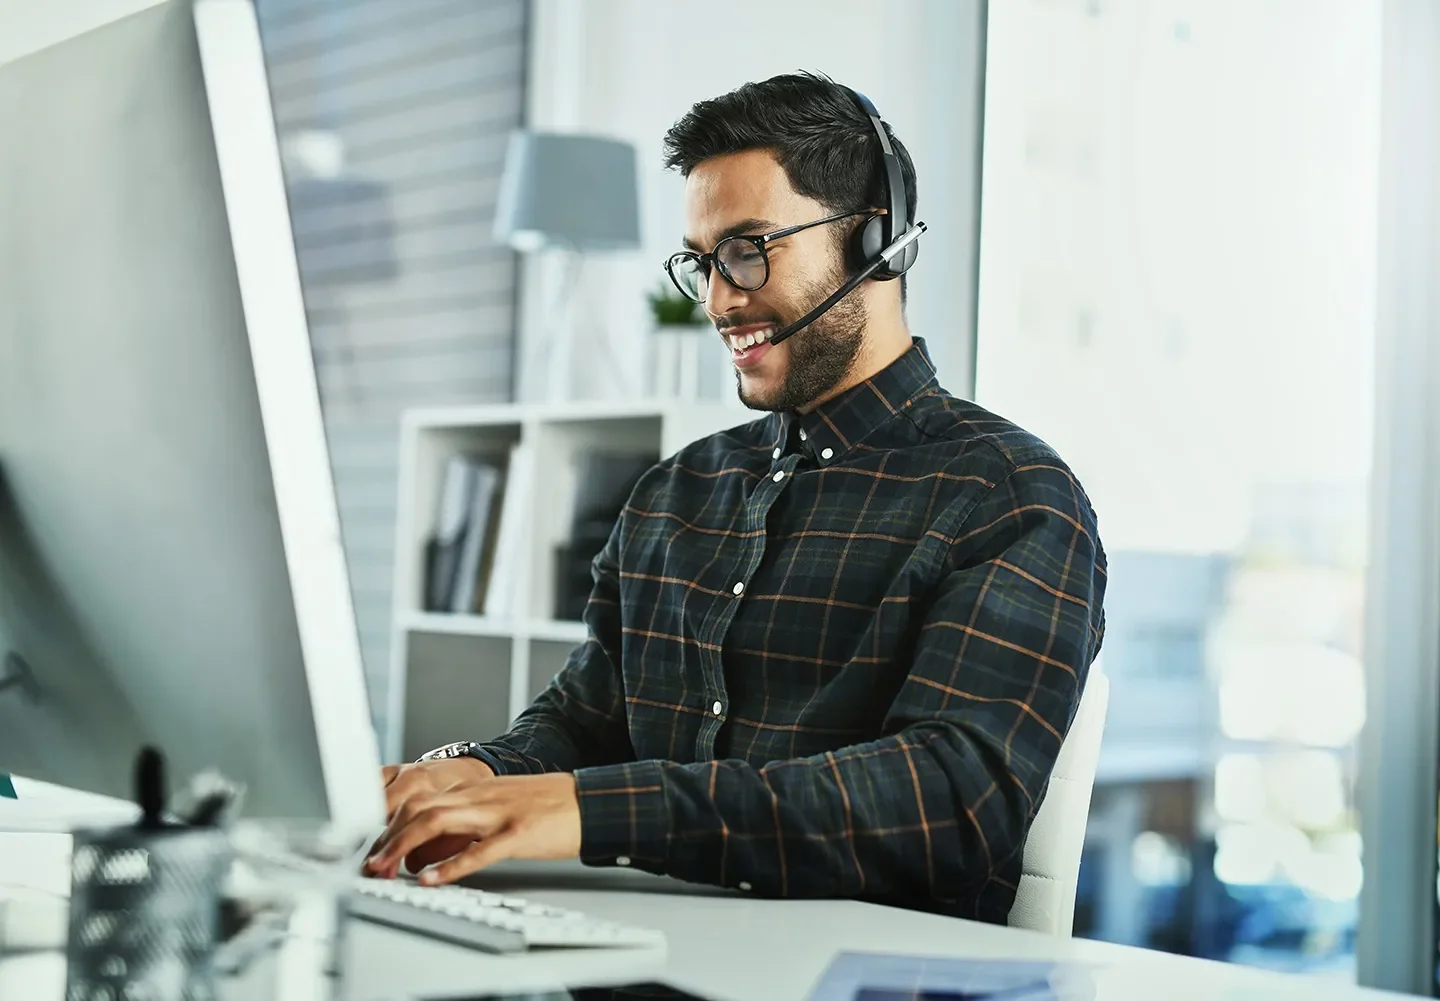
[448, 751]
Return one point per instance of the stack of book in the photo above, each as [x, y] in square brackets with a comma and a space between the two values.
[474, 543]
[473, 553]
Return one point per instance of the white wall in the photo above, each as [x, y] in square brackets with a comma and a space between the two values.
[30, 25]
[631, 68]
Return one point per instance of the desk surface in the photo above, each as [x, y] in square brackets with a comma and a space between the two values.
[722, 945]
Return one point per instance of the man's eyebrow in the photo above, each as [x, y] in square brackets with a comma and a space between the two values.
[736, 229]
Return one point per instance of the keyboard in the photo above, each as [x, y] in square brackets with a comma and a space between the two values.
[490, 922]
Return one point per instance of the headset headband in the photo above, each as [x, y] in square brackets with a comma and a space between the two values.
[897, 217]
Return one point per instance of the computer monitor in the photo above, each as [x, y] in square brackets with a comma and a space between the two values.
[171, 566]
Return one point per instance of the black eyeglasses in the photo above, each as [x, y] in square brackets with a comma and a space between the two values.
[741, 260]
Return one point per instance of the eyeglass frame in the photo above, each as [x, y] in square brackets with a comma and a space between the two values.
[711, 263]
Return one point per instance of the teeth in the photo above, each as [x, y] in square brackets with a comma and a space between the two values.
[742, 341]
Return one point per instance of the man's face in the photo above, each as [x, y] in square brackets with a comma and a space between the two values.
[749, 193]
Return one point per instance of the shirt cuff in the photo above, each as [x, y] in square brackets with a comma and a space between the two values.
[623, 817]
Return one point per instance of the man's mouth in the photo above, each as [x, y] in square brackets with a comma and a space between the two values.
[742, 339]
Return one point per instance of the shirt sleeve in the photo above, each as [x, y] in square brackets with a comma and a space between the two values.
[579, 719]
[932, 809]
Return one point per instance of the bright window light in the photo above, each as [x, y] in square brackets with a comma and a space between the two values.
[1240, 788]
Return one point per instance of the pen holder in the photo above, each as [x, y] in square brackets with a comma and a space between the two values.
[144, 913]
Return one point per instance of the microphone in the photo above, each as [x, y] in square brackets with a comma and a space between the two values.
[898, 244]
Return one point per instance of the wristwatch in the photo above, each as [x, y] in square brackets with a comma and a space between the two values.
[465, 749]
[458, 749]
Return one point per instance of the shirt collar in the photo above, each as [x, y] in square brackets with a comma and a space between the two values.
[837, 425]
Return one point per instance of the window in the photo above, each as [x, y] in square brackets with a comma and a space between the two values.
[1177, 291]
[393, 121]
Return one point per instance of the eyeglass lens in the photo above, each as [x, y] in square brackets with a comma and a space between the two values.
[741, 262]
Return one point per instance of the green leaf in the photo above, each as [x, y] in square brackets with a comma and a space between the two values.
[669, 308]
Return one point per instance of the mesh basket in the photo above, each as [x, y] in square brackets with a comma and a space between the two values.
[144, 914]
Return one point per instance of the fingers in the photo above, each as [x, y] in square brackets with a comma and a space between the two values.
[473, 859]
[422, 820]
[436, 851]
[388, 773]
[379, 861]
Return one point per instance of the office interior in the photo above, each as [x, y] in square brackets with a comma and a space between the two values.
[1192, 244]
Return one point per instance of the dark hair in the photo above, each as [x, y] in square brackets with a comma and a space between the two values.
[816, 129]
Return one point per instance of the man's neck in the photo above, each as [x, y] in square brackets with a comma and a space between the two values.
[881, 348]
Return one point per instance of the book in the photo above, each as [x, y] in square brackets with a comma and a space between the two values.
[500, 595]
[476, 548]
[442, 550]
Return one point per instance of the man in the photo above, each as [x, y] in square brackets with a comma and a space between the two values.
[832, 652]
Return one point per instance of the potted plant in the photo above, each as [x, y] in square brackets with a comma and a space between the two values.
[671, 309]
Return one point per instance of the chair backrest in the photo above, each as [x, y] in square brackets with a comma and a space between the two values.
[1045, 900]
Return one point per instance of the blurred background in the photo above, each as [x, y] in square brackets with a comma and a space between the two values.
[1177, 291]
[1152, 243]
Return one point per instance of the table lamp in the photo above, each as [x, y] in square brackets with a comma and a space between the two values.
[576, 195]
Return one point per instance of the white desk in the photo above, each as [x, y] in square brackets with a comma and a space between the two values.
[721, 944]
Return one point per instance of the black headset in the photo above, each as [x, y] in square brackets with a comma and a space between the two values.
[883, 246]
[875, 234]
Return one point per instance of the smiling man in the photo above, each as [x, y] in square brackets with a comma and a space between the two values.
[832, 652]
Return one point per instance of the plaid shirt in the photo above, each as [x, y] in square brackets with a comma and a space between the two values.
[831, 654]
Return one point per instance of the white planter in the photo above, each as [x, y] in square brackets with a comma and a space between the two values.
[688, 362]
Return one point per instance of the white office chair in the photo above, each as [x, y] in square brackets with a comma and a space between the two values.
[1045, 900]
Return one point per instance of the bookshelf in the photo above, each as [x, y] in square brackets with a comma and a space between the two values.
[455, 675]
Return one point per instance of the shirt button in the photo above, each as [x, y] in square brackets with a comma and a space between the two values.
[623, 860]
[739, 586]
[779, 475]
[717, 707]
[744, 885]
[827, 453]
[802, 434]
[775, 454]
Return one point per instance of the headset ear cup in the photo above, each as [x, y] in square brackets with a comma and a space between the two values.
[870, 240]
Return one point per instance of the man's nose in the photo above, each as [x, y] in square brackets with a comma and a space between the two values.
[721, 297]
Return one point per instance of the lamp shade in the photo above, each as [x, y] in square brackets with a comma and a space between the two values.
[569, 191]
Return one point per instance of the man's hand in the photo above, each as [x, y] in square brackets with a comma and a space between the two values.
[430, 777]
[403, 781]
[480, 823]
